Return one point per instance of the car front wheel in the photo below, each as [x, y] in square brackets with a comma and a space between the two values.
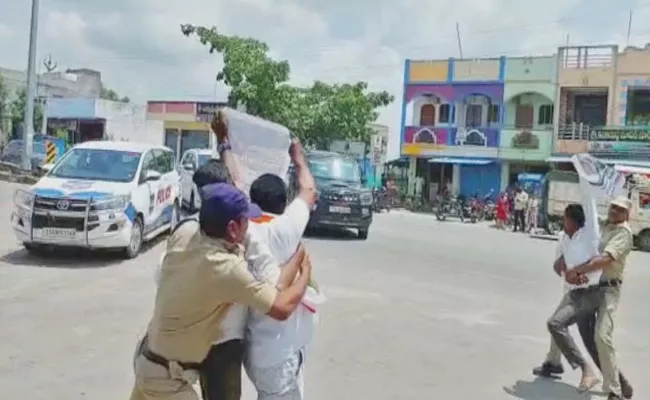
[135, 242]
[363, 234]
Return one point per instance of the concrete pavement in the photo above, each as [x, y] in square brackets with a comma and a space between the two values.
[421, 310]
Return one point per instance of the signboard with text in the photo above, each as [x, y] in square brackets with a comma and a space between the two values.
[620, 141]
[205, 110]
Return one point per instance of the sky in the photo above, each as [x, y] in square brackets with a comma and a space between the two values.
[139, 49]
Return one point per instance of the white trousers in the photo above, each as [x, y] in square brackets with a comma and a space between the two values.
[285, 381]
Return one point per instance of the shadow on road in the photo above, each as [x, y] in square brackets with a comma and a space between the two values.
[332, 234]
[71, 258]
[545, 389]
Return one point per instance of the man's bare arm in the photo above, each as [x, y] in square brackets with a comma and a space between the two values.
[559, 266]
[220, 128]
[306, 183]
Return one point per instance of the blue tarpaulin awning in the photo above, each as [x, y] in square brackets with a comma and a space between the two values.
[525, 176]
[460, 160]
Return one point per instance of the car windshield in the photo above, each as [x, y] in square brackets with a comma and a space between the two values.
[336, 168]
[98, 164]
[204, 158]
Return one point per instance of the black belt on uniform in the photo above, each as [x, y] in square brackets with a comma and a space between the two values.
[611, 283]
[162, 361]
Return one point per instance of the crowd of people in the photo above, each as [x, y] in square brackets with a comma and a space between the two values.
[234, 288]
[519, 207]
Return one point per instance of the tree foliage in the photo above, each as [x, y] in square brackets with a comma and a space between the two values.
[4, 100]
[4, 109]
[110, 94]
[317, 114]
[17, 111]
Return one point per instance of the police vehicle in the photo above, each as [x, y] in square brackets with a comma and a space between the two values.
[101, 195]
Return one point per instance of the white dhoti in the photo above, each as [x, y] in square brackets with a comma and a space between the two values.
[285, 381]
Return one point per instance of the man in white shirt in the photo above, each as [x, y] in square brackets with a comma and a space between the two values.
[521, 202]
[552, 365]
[582, 297]
[419, 186]
[275, 353]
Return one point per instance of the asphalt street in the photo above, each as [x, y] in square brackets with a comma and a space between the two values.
[421, 310]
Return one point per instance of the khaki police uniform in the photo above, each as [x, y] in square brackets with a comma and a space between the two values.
[617, 241]
[199, 279]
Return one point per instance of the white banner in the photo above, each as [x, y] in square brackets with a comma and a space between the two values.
[603, 181]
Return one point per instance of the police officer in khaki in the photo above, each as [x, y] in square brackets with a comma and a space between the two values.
[202, 275]
[616, 244]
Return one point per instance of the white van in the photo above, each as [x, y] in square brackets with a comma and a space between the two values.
[101, 195]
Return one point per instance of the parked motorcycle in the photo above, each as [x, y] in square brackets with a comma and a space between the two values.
[381, 200]
[451, 207]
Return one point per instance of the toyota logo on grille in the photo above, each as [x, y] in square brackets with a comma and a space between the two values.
[63, 204]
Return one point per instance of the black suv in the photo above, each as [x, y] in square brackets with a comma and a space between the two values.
[342, 200]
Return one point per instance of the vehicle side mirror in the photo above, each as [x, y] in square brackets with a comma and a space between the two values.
[47, 167]
[152, 175]
[188, 167]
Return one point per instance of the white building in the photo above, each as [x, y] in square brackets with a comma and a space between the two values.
[83, 82]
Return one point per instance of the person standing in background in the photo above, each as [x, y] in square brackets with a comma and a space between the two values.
[419, 185]
[502, 210]
[521, 202]
[532, 212]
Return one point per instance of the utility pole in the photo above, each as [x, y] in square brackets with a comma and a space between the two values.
[50, 66]
[460, 46]
[629, 28]
[28, 123]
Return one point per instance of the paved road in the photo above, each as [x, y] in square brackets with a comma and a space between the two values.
[421, 310]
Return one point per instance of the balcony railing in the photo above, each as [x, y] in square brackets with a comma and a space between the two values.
[587, 57]
[573, 132]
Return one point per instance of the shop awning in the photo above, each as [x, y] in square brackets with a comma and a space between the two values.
[610, 161]
[559, 159]
[460, 160]
[628, 163]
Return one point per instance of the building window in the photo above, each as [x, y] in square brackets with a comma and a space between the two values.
[545, 115]
[428, 115]
[638, 106]
[474, 115]
[445, 114]
[494, 114]
[524, 116]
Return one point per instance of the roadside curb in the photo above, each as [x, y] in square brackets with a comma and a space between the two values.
[13, 173]
[26, 179]
[544, 237]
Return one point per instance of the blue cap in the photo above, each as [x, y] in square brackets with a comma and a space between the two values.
[223, 202]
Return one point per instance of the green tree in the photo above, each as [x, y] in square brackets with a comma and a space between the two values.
[110, 94]
[17, 111]
[317, 114]
[4, 107]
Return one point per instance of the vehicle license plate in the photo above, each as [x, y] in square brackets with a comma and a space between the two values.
[57, 233]
[340, 210]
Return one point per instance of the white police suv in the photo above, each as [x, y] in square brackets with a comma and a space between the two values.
[101, 195]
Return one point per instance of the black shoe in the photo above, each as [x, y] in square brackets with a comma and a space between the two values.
[613, 396]
[626, 390]
[548, 370]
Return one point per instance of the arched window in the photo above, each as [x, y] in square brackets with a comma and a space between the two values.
[428, 115]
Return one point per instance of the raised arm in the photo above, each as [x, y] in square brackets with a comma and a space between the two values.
[220, 128]
[306, 183]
